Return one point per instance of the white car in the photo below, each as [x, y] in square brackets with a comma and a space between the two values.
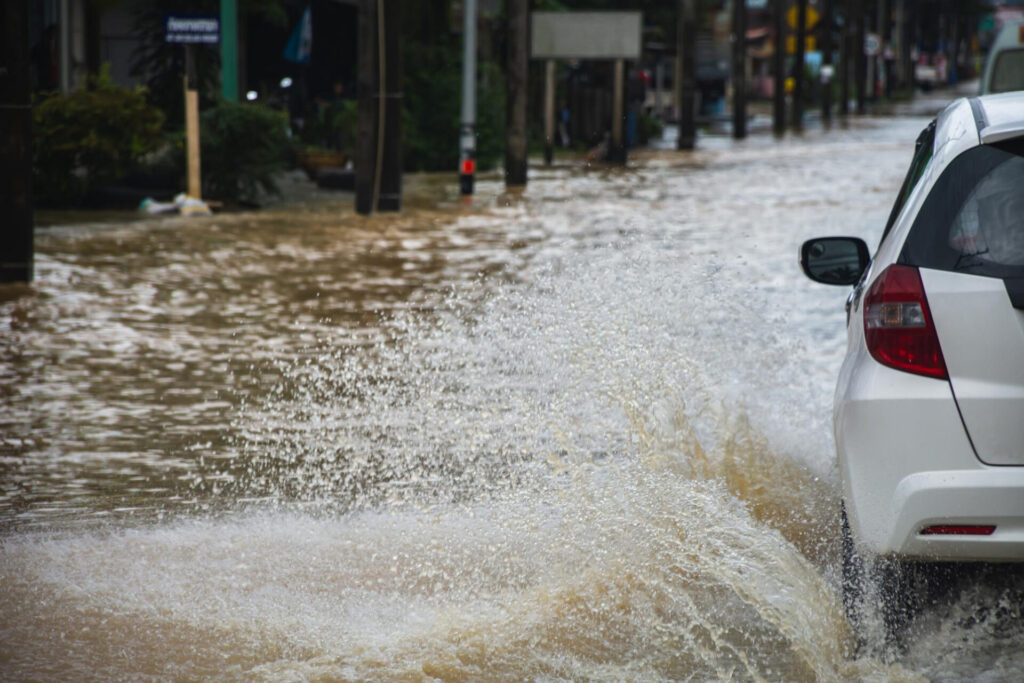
[929, 406]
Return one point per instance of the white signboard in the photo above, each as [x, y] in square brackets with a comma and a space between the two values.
[585, 35]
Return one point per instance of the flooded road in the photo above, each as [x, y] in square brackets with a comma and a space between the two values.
[581, 431]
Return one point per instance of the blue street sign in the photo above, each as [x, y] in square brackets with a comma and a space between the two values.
[192, 29]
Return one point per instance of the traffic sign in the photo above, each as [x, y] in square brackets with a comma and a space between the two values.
[192, 29]
[872, 45]
[810, 20]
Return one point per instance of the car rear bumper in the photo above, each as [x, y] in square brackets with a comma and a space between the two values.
[993, 496]
[906, 464]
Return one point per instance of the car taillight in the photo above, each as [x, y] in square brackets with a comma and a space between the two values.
[898, 326]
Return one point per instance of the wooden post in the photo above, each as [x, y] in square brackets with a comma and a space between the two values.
[16, 227]
[798, 65]
[779, 64]
[739, 69]
[686, 60]
[549, 111]
[516, 84]
[194, 185]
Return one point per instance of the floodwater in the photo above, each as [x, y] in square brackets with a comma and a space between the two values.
[578, 432]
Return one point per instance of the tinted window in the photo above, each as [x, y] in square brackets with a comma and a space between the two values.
[1008, 71]
[922, 155]
[973, 220]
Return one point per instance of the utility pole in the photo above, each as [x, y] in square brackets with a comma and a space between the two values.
[844, 60]
[229, 49]
[779, 65]
[378, 148]
[798, 65]
[517, 70]
[389, 197]
[467, 132]
[739, 69]
[860, 59]
[617, 147]
[885, 36]
[367, 122]
[549, 111]
[16, 234]
[827, 67]
[686, 61]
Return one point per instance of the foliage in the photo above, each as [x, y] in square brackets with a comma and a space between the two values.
[433, 93]
[243, 145]
[90, 137]
[648, 128]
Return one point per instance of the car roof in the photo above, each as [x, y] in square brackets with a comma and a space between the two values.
[1004, 116]
[971, 121]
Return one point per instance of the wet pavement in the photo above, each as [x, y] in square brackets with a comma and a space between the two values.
[578, 431]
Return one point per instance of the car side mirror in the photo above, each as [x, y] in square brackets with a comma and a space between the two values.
[834, 260]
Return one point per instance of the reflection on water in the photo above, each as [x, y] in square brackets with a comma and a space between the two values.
[580, 431]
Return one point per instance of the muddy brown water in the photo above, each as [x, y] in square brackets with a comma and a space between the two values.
[575, 432]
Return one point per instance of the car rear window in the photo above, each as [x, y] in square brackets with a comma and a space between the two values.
[973, 219]
[1008, 71]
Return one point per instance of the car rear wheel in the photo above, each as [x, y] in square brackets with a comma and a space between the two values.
[885, 591]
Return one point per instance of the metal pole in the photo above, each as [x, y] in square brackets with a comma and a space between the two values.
[16, 227]
[229, 49]
[516, 84]
[467, 139]
[739, 69]
[686, 51]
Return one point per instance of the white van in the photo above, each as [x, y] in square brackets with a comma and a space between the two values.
[1004, 69]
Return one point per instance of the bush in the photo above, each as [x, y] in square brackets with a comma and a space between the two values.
[90, 137]
[433, 97]
[243, 145]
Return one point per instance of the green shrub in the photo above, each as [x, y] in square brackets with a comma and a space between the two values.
[433, 95]
[90, 137]
[243, 145]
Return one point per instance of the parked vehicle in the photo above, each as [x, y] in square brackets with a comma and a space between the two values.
[929, 405]
[1004, 67]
